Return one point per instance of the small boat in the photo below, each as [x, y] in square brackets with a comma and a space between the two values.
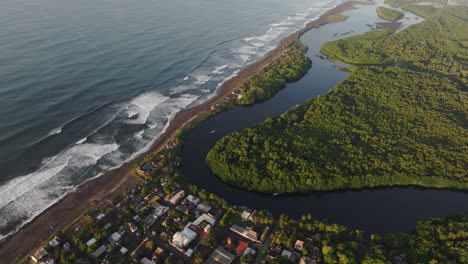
[212, 131]
[275, 194]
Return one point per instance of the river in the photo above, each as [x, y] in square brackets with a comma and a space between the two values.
[374, 210]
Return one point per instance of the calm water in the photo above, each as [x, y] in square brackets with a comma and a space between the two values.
[84, 85]
[378, 210]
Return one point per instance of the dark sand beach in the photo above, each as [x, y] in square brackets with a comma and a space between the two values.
[111, 184]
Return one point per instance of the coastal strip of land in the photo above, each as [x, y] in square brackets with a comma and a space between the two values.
[114, 182]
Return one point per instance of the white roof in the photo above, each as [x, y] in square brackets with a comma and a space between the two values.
[286, 253]
[204, 217]
[184, 237]
[245, 215]
[116, 236]
[204, 207]
[91, 242]
[177, 197]
[193, 199]
[100, 216]
[123, 250]
[147, 261]
[189, 252]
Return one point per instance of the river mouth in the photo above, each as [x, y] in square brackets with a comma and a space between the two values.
[375, 210]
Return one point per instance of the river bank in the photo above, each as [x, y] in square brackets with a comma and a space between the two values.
[114, 182]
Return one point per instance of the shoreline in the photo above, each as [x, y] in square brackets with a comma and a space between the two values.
[114, 182]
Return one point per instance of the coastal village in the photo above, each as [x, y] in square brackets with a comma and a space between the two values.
[166, 220]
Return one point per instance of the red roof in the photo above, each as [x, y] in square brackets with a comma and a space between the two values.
[241, 247]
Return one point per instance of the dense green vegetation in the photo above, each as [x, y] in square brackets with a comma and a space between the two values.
[438, 44]
[401, 121]
[434, 240]
[291, 66]
[440, 240]
[389, 14]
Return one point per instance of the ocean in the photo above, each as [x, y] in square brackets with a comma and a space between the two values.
[87, 85]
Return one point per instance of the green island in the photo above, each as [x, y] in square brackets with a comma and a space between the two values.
[398, 119]
[389, 14]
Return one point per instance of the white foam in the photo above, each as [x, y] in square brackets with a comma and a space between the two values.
[248, 39]
[139, 134]
[55, 131]
[77, 156]
[81, 141]
[220, 69]
[201, 78]
[144, 104]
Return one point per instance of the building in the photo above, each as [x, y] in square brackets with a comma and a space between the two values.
[204, 218]
[204, 207]
[98, 252]
[245, 215]
[193, 199]
[245, 232]
[306, 260]
[54, 242]
[114, 238]
[286, 253]
[39, 254]
[182, 238]
[221, 256]
[91, 242]
[177, 197]
[241, 247]
[299, 245]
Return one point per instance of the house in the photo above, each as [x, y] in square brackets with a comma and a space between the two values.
[114, 238]
[91, 242]
[306, 260]
[189, 252]
[295, 256]
[193, 199]
[123, 250]
[204, 218]
[286, 253]
[182, 238]
[48, 260]
[54, 242]
[100, 216]
[98, 252]
[299, 245]
[221, 256]
[158, 252]
[133, 228]
[163, 236]
[204, 207]
[147, 261]
[177, 197]
[249, 250]
[241, 247]
[245, 232]
[38, 255]
[245, 215]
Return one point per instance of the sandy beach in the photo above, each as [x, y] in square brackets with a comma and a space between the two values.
[114, 182]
